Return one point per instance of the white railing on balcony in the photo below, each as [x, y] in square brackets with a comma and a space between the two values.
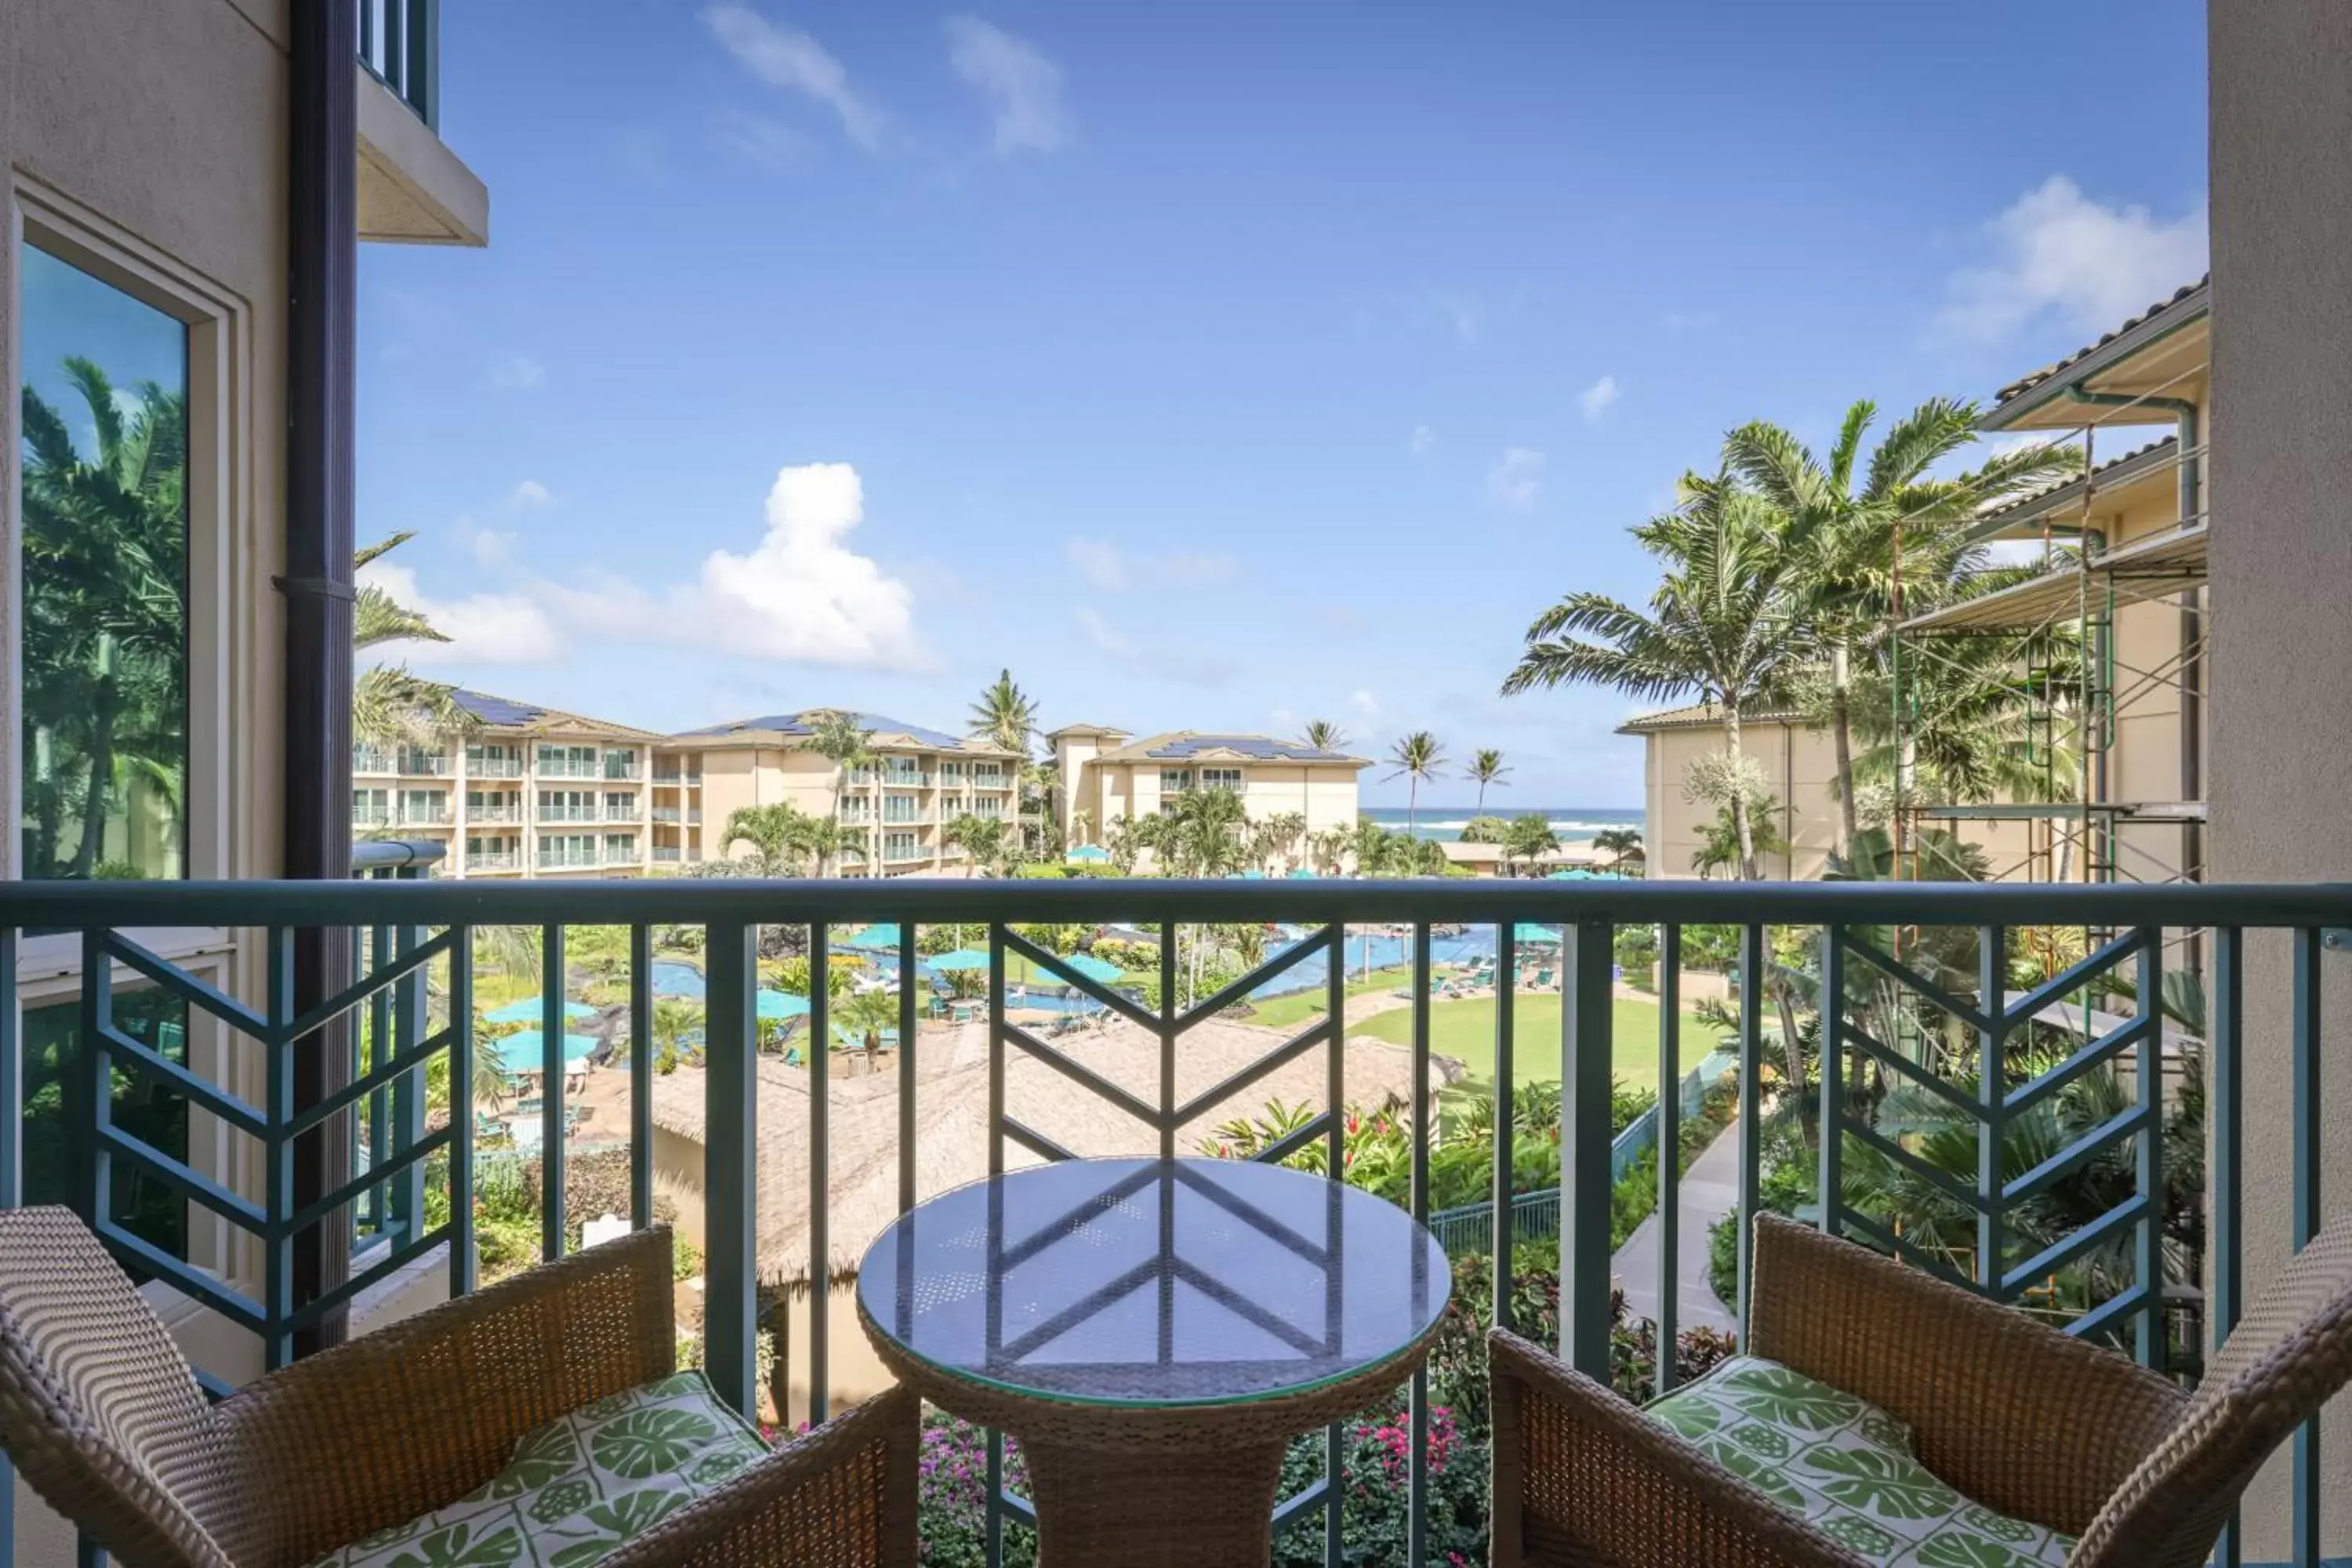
[667, 814]
[494, 767]
[492, 861]
[368, 759]
[425, 764]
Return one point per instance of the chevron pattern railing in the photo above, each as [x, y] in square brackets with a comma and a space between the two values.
[1922, 1003]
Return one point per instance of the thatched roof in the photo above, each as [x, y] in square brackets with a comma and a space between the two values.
[951, 1119]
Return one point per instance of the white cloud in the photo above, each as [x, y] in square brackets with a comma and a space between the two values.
[482, 628]
[1099, 563]
[492, 546]
[2058, 253]
[801, 593]
[530, 495]
[784, 57]
[1595, 400]
[759, 140]
[1106, 565]
[1022, 87]
[1423, 440]
[517, 372]
[1182, 662]
[1366, 704]
[1516, 478]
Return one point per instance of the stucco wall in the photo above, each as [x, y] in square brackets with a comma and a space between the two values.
[2281, 474]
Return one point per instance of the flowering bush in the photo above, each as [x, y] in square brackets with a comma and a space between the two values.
[952, 1509]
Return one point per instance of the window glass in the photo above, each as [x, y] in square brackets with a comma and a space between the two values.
[143, 1110]
[105, 568]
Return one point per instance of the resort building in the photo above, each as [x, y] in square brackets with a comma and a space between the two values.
[2115, 631]
[919, 781]
[1105, 776]
[531, 792]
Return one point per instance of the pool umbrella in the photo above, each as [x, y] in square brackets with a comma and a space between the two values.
[524, 1051]
[529, 1009]
[1089, 854]
[1101, 971]
[961, 958]
[1544, 934]
[775, 1005]
[874, 939]
[1573, 874]
[1301, 874]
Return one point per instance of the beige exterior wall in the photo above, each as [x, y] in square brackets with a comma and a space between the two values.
[144, 142]
[944, 785]
[1323, 793]
[2282, 220]
[485, 797]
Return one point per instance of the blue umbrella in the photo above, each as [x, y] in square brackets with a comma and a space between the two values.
[1301, 874]
[1525, 932]
[961, 958]
[525, 1051]
[1573, 874]
[775, 1005]
[1101, 971]
[530, 1008]
[876, 939]
[1092, 853]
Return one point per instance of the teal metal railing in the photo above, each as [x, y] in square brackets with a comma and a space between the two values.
[400, 44]
[1911, 986]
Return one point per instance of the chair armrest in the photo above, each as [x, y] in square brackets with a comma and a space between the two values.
[1583, 1479]
[2014, 1414]
[843, 1496]
[415, 1415]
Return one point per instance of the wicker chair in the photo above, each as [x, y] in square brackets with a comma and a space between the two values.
[2016, 1416]
[103, 1417]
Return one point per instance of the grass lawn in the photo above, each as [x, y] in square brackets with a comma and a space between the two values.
[1290, 1010]
[1466, 1031]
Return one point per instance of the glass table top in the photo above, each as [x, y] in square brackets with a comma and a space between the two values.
[1154, 1282]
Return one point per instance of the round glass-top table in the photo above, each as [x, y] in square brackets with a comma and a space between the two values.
[1154, 1332]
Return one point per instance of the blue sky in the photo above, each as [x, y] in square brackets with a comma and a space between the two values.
[1213, 366]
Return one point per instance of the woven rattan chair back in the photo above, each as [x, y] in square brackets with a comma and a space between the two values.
[2290, 1352]
[98, 1406]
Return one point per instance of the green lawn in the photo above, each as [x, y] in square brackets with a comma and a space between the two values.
[1466, 1031]
[1293, 1008]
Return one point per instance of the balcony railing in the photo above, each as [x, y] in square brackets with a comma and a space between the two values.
[676, 776]
[628, 771]
[492, 861]
[412, 816]
[667, 814]
[400, 44]
[494, 767]
[371, 760]
[569, 768]
[667, 852]
[425, 764]
[2043, 1031]
[504, 811]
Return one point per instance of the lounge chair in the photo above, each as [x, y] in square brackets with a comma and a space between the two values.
[428, 1440]
[1882, 1413]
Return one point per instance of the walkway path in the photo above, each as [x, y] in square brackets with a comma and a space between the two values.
[1710, 1189]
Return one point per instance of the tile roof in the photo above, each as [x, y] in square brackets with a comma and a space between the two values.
[1191, 745]
[2034, 499]
[2016, 389]
[1097, 731]
[1701, 716]
[506, 713]
[878, 727]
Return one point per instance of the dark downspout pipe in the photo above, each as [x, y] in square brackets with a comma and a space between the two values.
[322, 287]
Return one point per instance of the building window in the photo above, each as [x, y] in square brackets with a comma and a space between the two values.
[620, 848]
[621, 765]
[620, 804]
[371, 807]
[1175, 781]
[567, 761]
[898, 847]
[423, 808]
[142, 1204]
[950, 773]
[1222, 778]
[567, 849]
[104, 656]
[567, 805]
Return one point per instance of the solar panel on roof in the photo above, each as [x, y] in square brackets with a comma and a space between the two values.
[496, 709]
[1259, 747]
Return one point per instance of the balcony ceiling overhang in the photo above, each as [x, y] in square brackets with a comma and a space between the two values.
[413, 189]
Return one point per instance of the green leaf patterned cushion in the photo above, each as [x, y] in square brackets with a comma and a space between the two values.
[1848, 1467]
[579, 1486]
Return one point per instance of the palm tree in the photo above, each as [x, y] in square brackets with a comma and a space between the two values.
[1726, 842]
[1373, 846]
[1487, 768]
[838, 737]
[1277, 836]
[1529, 837]
[1417, 756]
[866, 1014]
[1324, 735]
[105, 612]
[389, 705]
[1200, 835]
[775, 834]
[1004, 716]
[1723, 622]
[1869, 529]
[984, 838]
[1619, 844]
[1123, 841]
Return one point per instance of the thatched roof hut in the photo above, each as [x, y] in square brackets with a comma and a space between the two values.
[951, 1118]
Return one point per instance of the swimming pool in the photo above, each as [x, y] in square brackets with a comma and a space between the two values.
[1376, 951]
[676, 977]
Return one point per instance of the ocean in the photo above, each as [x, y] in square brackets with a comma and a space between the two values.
[1572, 823]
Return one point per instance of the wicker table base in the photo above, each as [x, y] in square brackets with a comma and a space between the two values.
[1153, 1487]
[1187, 1509]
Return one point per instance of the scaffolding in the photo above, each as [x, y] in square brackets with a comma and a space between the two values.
[2067, 666]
